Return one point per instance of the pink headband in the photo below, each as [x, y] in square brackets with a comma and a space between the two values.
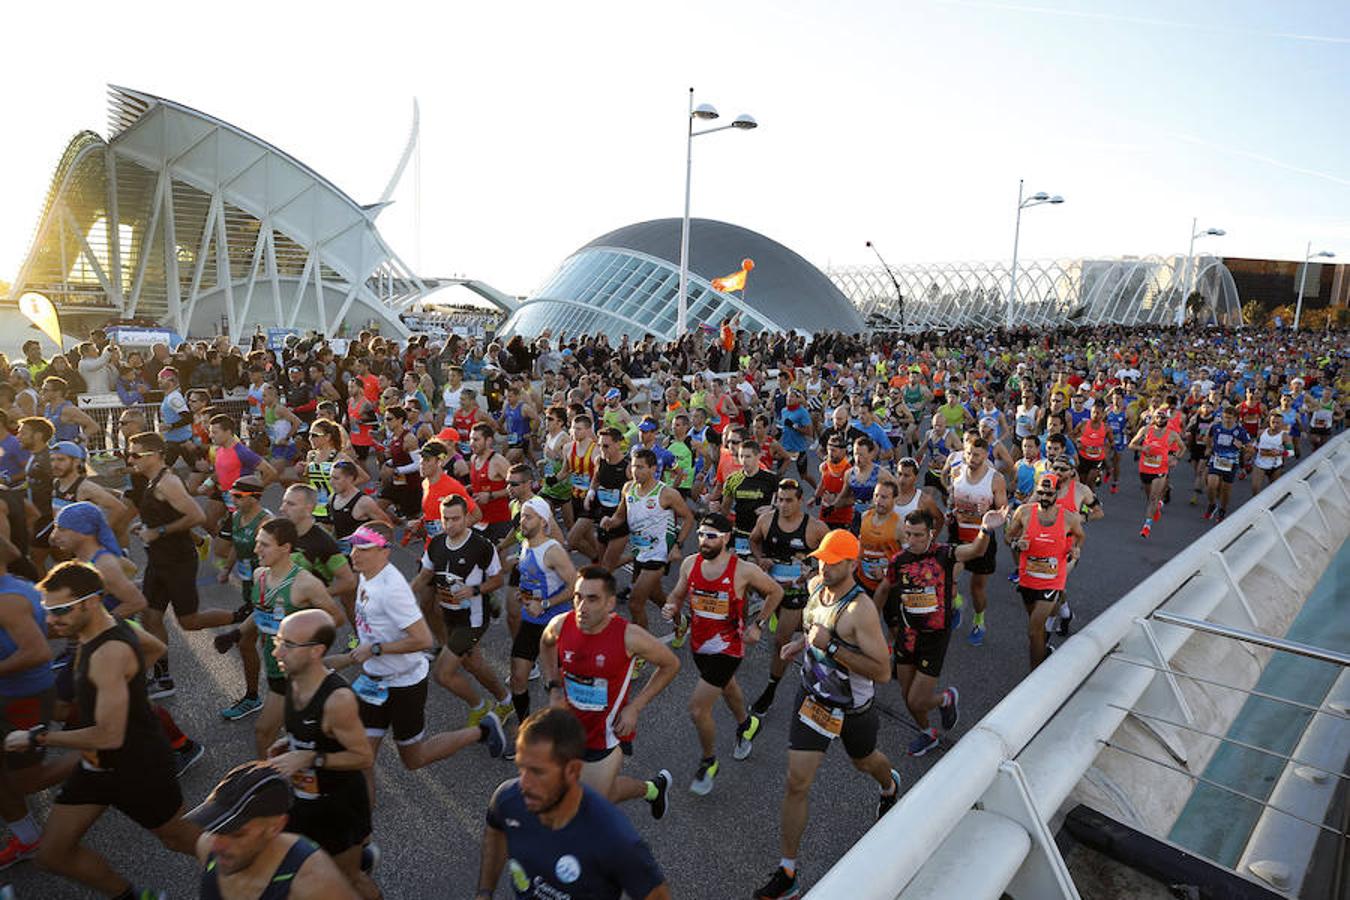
[368, 537]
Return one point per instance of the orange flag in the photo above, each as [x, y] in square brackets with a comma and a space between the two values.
[736, 280]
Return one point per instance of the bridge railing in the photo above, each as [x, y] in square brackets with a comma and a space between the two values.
[978, 823]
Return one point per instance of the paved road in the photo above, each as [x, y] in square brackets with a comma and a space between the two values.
[723, 845]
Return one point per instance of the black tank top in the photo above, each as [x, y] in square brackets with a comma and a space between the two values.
[304, 728]
[156, 512]
[68, 496]
[611, 477]
[782, 546]
[343, 517]
[144, 745]
[279, 888]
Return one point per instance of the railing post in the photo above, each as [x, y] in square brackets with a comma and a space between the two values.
[1044, 874]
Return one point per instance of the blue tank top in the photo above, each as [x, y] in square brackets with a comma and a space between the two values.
[62, 431]
[517, 426]
[40, 677]
[862, 490]
[543, 582]
[1118, 422]
[177, 425]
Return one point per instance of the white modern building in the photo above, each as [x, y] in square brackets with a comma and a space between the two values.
[185, 220]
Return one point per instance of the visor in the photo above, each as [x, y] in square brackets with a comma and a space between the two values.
[368, 537]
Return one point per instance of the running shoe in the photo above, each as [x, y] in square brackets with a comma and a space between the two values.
[493, 735]
[957, 602]
[951, 713]
[925, 740]
[478, 713]
[1143, 532]
[976, 638]
[370, 857]
[781, 886]
[681, 632]
[1115, 488]
[745, 738]
[1157, 513]
[505, 710]
[1064, 621]
[773, 623]
[160, 687]
[888, 801]
[187, 757]
[1012, 576]
[1195, 498]
[244, 706]
[1218, 516]
[225, 640]
[535, 673]
[703, 778]
[661, 801]
[353, 642]
[1209, 512]
[16, 851]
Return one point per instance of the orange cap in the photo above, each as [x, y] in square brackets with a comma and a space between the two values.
[838, 546]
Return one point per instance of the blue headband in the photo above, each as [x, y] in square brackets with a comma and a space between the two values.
[86, 518]
[70, 448]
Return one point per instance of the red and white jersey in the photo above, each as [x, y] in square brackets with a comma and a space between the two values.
[596, 673]
[717, 613]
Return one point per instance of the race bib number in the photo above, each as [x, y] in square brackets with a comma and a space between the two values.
[711, 606]
[1223, 464]
[742, 544]
[243, 569]
[581, 483]
[513, 440]
[305, 784]
[447, 599]
[586, 694]
[821, 718]
[372, 692]
[786, 573]
[1321, 418]
[919, 601]
[1271, 452]
[1042, 566]
[641, 541]
[1153, 460]
[873, 567]
[268, 620]
[607, 497]
[433, 527]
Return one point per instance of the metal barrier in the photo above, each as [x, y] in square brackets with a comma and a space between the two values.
[106, 410]
[995, 792]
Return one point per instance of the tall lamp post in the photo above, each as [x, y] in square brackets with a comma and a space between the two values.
[1035, 199]
[705, 112]
[1189, 283]
[1308, 256]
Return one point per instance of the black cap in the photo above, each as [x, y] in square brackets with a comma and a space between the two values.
[247, 792]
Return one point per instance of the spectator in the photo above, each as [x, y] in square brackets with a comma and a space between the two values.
[131, 386]
[97, 368]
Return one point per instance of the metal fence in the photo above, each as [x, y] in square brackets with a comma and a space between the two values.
[107, 410]
[997, 790]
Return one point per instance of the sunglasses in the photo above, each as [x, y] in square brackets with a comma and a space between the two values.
[517, 483]
[243, 493]
[141, 454]
[710, 535]
[279, 641]
[65, 608]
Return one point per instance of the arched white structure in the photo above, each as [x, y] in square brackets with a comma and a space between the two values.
[1129, 291]
[187, 220]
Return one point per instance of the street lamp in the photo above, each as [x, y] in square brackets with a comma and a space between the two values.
[1035, 199]
[1308, 257]
[1187, 284]
[706, 112]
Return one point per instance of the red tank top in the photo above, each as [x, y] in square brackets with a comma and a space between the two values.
[596, 673]
[361, 435]
[1153, 454]
[1043, 566]
[1092, 442]
[497, 509]
[717, 613]
[832, 482]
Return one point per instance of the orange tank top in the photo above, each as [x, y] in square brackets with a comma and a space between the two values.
[879, 544]
[1043, 566]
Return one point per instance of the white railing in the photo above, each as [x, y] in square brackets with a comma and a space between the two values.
[1019, 763]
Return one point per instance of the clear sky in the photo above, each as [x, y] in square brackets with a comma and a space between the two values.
[906, 123]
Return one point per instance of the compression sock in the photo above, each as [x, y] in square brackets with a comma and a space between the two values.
[979, 620]
[170, 728]
[652, 791]
[521, 702]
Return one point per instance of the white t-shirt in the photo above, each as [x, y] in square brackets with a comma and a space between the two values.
[385, 610]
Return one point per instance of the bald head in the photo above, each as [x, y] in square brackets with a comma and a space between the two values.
[310, 625]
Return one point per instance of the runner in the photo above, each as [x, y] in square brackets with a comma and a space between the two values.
[976, 489]
[658, 522]
[915, 600]
[834, 497]
[324, 750]
[241, 531]
[794, 420]
[348, 506]
[1156, 443]
[125, 761]
[588, 657]
[1273, 447]
[1093, 438]
[562, 838]
[488, 472]
[1049, 539]
[879, 535]
[547, 580]
[589, 537]
[779, 544]
[1228, 446]
[460, 568]
[392, 686]
[845, 657]
[246, 852]
[71, 483]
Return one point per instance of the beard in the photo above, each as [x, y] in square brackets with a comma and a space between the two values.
[708, 553]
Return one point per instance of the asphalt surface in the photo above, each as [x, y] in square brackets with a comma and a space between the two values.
[429, 823]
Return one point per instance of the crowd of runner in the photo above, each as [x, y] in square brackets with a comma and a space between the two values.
[619, 509]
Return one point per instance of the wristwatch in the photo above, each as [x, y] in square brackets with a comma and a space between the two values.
[553, 686]
[831, 649]
[34, 733]
[162, 530]
[320, 760]
[376, 649]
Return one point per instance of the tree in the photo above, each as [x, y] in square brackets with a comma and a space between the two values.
[1253, 314]
[1195, 306]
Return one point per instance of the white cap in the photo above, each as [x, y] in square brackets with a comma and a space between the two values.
[539, 506]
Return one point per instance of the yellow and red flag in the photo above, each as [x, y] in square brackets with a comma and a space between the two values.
[736, 280]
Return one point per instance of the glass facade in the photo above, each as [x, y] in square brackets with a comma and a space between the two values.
[615, 291]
